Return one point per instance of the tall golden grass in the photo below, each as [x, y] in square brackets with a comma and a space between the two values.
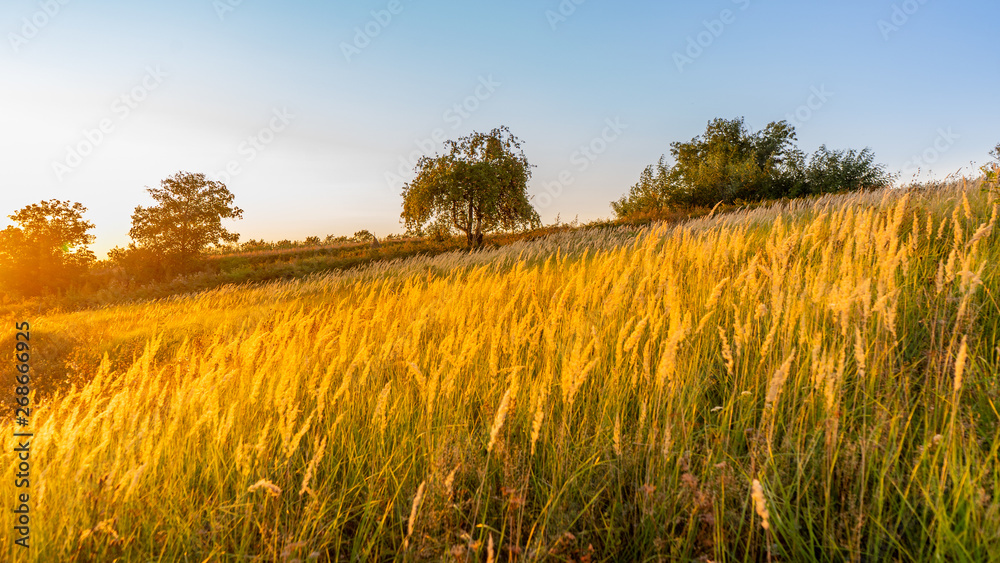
[826, 368]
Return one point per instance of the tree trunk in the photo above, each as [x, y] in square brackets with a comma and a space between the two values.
[470, 236]
[479, 230]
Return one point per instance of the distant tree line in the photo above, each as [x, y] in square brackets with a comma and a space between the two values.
[252, 245]
[478, 186]
[730, 164]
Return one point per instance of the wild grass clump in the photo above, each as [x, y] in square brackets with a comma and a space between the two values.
[803, 381]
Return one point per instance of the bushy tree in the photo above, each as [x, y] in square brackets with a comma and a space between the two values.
[254, 244]
[656, 189]
[479, 186]
[139, 264]
[729, 164]
[48, 249]
[844, 170]
[186, 220]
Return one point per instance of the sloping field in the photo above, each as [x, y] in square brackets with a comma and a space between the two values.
[815, 381]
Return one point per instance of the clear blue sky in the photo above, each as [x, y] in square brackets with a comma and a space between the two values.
[183, 85]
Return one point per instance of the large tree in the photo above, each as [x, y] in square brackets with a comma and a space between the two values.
[47, 250]
[186, 220]
[478, 186]
[729, 162]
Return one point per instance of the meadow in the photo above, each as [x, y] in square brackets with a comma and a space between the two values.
[807, 380]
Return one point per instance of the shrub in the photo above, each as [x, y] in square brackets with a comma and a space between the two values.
[730, 164]
[845, 170]
[655, 190]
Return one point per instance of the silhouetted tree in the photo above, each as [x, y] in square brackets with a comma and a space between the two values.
[47, 250]
[186, 220]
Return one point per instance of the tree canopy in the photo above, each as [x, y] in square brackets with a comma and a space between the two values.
[479, 186]
[48, 249]
[991, 170]
[655, 190]
[186, 220]
[843, 170]
[729, 163]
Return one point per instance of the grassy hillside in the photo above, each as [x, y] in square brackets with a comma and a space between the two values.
[810, 381]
